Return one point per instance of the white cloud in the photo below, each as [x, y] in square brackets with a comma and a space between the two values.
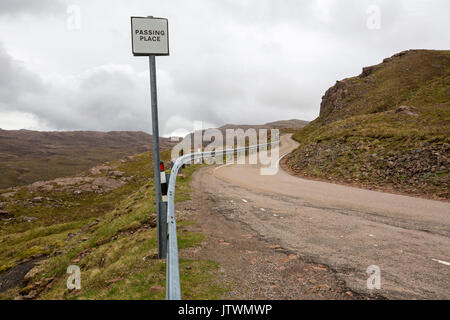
[13, 120]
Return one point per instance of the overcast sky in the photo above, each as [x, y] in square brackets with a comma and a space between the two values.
[67, 65]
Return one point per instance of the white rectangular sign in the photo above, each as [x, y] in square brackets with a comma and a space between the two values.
[150, 36]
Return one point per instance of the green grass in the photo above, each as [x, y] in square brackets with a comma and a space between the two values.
[118, 270]
[117, 256]
[62, 214]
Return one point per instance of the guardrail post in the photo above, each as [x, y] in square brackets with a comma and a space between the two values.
[173, 289]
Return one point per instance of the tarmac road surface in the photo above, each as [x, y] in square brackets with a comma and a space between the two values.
[346, 228]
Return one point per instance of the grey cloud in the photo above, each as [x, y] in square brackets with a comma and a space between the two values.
[13, 7]
[226, 85]
[106, 98]
[231, 60]
[15, 80]
[109, 98]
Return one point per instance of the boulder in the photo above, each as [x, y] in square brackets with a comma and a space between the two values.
[4, 214]
[8, 195]
[29, 219]
[37, 185]
[38, 199]
[410, 111]
[117, 174]
[367, 71]
[71, 181]
[156, 289]
[99, 169]
[107, 184]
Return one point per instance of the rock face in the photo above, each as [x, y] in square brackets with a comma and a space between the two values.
[334, 99]
[367, 71]
[386, 86]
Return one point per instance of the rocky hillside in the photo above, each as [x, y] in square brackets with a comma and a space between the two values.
[29, 156]
[387, 129]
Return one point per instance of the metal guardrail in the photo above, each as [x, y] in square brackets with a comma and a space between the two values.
[173, 290]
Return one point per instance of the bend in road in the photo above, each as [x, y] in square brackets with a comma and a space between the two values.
[347, 228]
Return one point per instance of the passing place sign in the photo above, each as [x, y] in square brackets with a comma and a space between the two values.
[150, 36]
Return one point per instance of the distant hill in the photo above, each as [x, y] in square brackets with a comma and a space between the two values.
[28, 156]
[288, 124]
[388, 128]
[282, 124]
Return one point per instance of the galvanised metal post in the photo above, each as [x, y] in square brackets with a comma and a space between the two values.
[162, 231]
[162, 241]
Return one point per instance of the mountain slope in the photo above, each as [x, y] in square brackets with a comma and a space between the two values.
[29, 156]
[387, 129]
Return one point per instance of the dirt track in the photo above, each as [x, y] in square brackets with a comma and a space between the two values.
[344, 228]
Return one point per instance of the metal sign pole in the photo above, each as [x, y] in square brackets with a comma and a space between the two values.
[160, 214]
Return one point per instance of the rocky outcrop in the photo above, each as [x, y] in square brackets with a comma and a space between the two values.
[384, 86]
[384, 129]
[77, 185]
[334, 99]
